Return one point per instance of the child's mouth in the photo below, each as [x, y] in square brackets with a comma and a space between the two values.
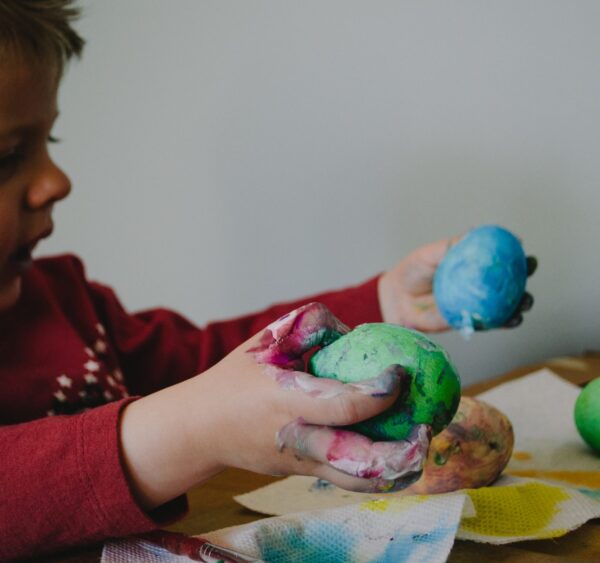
[21, 258]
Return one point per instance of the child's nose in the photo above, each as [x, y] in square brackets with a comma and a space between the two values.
[49, 186]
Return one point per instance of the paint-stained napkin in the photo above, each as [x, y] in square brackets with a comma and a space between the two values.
[547, 444]
[513, 509]
[517, 509]
[418, 528]
[411, 529]
[134, 550]
[391, 529]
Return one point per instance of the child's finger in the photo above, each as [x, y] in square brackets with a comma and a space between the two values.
[514, 321]
[356, 455]
[333, 403]
[426, 315]
[285, 341]
[433, 253]
[386, 384]
[532, 265]
[525, 305]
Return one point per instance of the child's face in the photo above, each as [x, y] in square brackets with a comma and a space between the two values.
[30, 183]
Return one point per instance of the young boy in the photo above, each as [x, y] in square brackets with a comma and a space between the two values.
[105, 423]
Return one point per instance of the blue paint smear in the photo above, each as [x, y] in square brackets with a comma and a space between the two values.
[593, 493]
[480, 282]
[416, 547]
[321, 485]
[318, 541]
[315, 541]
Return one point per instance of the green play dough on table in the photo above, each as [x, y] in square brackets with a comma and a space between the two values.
[587, 413]
[367, 350]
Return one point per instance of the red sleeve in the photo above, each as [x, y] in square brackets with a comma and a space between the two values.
[62, 478]
[159, 347]
[63, 484]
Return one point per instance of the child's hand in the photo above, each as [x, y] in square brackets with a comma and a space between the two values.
[256, 410]
[284, 417]
[406, 291]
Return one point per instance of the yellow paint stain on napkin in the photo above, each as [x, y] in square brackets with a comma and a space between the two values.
[525, 510]
[393, 505]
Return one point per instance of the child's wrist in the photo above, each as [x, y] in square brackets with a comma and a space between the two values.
[160, 459]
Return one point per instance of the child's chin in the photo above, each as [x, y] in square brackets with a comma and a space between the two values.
[9, 294]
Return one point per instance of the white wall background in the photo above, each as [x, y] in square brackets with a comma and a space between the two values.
[227, 154]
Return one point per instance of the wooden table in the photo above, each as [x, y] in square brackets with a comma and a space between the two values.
[212, 505]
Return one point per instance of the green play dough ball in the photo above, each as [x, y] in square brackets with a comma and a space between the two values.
[587, 413]
[367, 350]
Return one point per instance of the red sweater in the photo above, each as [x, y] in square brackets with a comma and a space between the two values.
[68, 346]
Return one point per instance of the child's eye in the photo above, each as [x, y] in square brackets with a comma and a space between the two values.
[9, 161]
[52, 139]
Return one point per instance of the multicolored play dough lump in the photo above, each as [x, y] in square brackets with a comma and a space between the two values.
[367, 350]
[587, 414]
[481, 280]
[470, 452]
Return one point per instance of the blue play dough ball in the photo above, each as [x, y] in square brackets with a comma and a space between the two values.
[481, 280]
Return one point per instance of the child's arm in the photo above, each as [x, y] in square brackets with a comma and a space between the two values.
[157, 348]
[402, 295]
[72, 479]
[63, 484]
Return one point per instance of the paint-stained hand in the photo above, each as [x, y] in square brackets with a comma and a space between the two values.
[406, 291]
[277, 419]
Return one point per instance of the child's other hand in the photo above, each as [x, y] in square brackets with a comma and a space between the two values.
[271, 417]
[406, 291]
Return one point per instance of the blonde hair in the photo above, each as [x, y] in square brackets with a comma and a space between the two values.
[39, 31]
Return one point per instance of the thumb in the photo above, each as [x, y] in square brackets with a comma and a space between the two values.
[333, 403]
